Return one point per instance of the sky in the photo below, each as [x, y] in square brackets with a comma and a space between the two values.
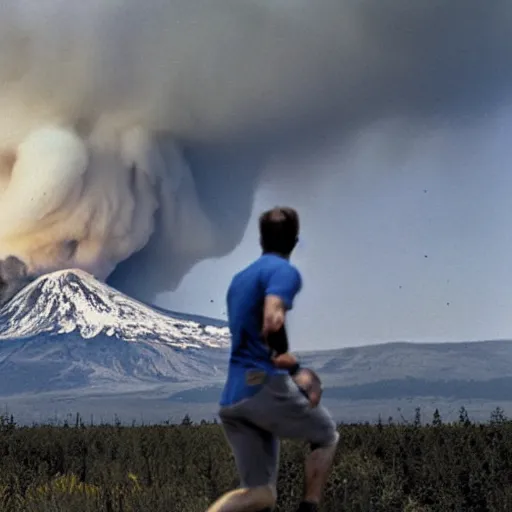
[403, 194]
[405, 236]
[386, 124]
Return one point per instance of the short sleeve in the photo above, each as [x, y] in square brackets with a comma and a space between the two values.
[285, 282]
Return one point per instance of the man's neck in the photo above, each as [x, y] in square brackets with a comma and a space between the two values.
[280, 255]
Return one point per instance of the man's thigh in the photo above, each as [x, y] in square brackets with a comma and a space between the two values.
[256, 451]
[281, 408]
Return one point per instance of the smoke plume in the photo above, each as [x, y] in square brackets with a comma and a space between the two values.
[13, 277]
[132, 134]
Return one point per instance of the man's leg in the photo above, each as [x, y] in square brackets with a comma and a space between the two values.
[256, 455]
[317, 469]
[282, 409]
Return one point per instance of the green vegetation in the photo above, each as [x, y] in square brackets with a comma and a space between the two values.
[384, 467]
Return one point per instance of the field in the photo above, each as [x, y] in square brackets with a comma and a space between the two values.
[382, 467]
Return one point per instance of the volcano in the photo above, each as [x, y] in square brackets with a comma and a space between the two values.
[66, 330]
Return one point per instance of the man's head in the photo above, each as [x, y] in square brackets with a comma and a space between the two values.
[279, 230]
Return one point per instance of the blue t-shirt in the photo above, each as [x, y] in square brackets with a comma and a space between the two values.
[268, 275]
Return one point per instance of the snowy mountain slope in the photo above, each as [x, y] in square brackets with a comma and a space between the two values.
[73, 301]
[68, 331]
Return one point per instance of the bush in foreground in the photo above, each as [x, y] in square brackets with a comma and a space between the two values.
[378, 468]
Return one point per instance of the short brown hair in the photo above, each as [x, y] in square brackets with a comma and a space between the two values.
[279, 230]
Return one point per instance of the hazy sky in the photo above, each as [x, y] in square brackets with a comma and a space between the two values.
[405, 224]
[407, 236]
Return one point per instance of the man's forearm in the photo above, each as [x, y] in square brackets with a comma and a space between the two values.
[278, 341]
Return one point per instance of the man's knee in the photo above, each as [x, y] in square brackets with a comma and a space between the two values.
[329, 439]
[273, 495]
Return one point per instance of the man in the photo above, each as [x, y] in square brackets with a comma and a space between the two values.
[262, 401]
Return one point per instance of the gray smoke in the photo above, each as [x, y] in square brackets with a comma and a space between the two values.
[13, 277]
[133, 134]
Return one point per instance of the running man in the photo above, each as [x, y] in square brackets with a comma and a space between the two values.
[262, 401]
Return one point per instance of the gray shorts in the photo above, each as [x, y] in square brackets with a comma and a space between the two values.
[254, 426]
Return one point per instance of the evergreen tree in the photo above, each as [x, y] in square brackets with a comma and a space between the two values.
[186, 421]
[436, 420]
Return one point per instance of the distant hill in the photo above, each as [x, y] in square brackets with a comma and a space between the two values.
[431, 362]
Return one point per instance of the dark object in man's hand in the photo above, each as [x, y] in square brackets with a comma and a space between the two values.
[278, 341]
[310, 384]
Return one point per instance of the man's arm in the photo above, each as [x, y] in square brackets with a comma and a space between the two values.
[274, 330]
[282, 287]
[280, 291]
[278, 343]
[274, 312]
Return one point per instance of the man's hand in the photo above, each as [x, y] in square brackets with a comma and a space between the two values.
[306, 379]
[309, 382]
[284, 361]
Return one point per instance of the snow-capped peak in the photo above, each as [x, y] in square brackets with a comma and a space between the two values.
[74, 301]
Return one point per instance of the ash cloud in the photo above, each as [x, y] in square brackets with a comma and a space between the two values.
[13, 277]
[133, 134]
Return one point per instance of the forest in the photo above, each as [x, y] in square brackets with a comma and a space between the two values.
[406, 466]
